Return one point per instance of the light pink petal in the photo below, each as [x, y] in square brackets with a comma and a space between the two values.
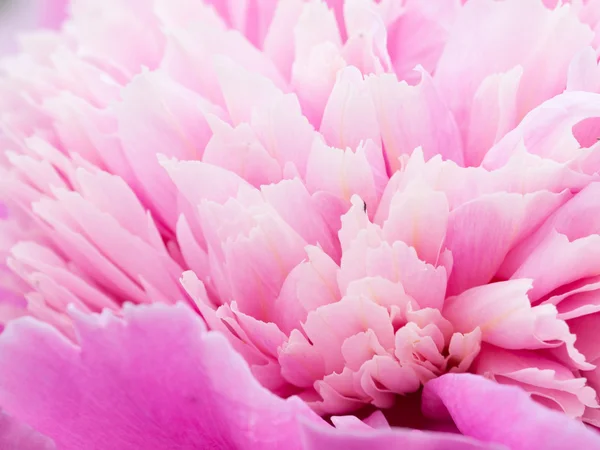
[309, 285]
[86, 256]
[251, 17]
[414, 116]
[25, 16]
[360, 348]
[483, 231]
[366, 46]
[417, 33]
[127, 251]
[284, 131]
[463, 349]
[279, 41]
[239, 151]
[141, 43]
[319, 437]
[194, 256]
[200, 395]
[289, 197]
[367, 255]
[493, 114]
[585, 329]
[505, 415]
[301, 363]
[418, 216]
[349, 423]
[577, 299]
[32, 260]
[420, 349]
[547, 130]
[584, 72]
[349, 117]
[534, 31]
[192, 55]
[329, 326]
[348, 172]
[156, 116]
[551, 383]
[385, 293]
[209, 312]
[549, 272]
[262, 339]
[254, 250]
[576, 219]
[317, 46]
[183, 14]
[506, 318]
[243, 90]
[197, 181]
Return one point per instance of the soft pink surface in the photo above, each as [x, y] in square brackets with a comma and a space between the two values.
[158, 379]
[359, 197]
[21, 16]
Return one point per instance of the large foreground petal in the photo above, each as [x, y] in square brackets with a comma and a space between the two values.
[155, 379]
[18, 436]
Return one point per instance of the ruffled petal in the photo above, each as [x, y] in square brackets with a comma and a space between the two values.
[155, 379]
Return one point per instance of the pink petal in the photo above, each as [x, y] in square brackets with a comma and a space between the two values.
[289, 197]
[505, 415]
[349, 117]
[18, 436]
[547, 130]
[27, 15]
[549, 273]
[348, 172]
[201, 395]
[329, 326]
[320, 437]
[584, 72]
[317, 57]
[555, 385]
[309, 285]
[142, 41]
[279, 41]
[369, 256]
[506, 318]
[417, 33]
[418, 216]
[239, 151]
[366, 46]
[534, 31]
[414, 116]
[160, 116]
[482, 232]
[493, 114]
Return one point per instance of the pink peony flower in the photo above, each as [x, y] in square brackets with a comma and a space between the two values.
[305, 225]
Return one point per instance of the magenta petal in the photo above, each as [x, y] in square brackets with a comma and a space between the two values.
[317, 437]
[155, 379]
[503, 414]
[17, 436]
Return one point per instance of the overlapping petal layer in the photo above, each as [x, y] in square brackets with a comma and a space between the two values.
[360, 209]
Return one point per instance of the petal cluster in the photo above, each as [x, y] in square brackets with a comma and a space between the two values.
[360, 196]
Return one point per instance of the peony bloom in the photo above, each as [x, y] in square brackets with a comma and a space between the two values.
[302, 224]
